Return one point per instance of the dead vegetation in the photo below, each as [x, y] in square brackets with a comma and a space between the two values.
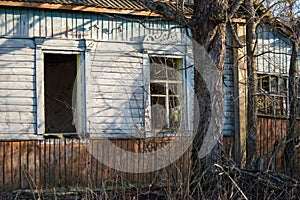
[230, 182]
[221, 181]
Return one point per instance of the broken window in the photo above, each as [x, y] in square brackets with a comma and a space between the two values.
[272, 98]
[166, 93]
[59, 78]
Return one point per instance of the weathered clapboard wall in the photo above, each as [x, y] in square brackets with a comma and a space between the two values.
[67, 164]
[19, 25]
[17, 87]
[274, 50]
[271, 140]
[23, 22]
[30, 23]
[106, 75]
[115, 90]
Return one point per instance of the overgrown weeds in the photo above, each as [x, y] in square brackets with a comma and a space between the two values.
[221, 181]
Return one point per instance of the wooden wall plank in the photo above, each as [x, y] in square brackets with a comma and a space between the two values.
[128, 90]
[17, 31]
[123, 102]
[16, 71]
[31, 25]
[111, 56]
[64, 29]
[109, 120]
[17, 67]
[17, 117]
[2, 22]
[87, 26]
[24, 23]
[58, 29]
[19, 128]
[17, 93]
[15, 86]
[270, 130]
[35, 23]
[96, 82]
[14, 54]
[69, 25]
[67, 163]
[117, 105]
[95, 26]
[109, 74]
[123, 71]
[43, 23]
[19, 78]
[6, 169]
[17, 103]
[9, 22]
[75, 29]
[48, 24]
[17, 108]
[16, 43]
[79, 25]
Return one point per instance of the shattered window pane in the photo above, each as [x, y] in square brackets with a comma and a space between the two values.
[166, 90]
[272, 95]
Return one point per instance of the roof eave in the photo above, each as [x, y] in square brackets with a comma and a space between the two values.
[78, 8]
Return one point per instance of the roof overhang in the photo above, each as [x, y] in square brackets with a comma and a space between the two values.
[78, 8]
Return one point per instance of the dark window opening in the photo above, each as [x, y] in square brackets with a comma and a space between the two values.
[59, 78]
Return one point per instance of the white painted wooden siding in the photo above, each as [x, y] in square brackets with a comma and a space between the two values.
[109, 73]
[275, 51]
[115, 91]
[26, 22]
[17, 87]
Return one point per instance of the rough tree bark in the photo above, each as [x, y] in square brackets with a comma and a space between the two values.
[251, 137]
[208, 26]
[210, 32]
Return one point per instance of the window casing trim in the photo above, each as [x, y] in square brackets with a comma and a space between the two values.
[187, 95]
[60, 46]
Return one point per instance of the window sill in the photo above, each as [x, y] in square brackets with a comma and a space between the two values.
[61, 135]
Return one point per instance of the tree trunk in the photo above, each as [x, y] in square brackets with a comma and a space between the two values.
[291, 138]
[251, 138]
[212, 39]
[208, 26]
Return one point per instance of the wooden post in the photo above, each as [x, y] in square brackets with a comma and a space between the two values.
[240, 97]
[39, 76]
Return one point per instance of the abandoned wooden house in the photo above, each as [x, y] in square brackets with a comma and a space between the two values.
[69, 67]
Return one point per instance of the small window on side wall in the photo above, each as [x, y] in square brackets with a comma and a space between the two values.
[166, 94]
[272, 97]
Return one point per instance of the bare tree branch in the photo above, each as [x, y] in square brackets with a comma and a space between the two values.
[169, 12]
[234, 8]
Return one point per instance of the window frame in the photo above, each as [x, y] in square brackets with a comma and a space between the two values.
[272, 95]
[187, 96]
[57, 46]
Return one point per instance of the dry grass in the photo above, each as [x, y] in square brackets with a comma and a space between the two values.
[220, 181]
